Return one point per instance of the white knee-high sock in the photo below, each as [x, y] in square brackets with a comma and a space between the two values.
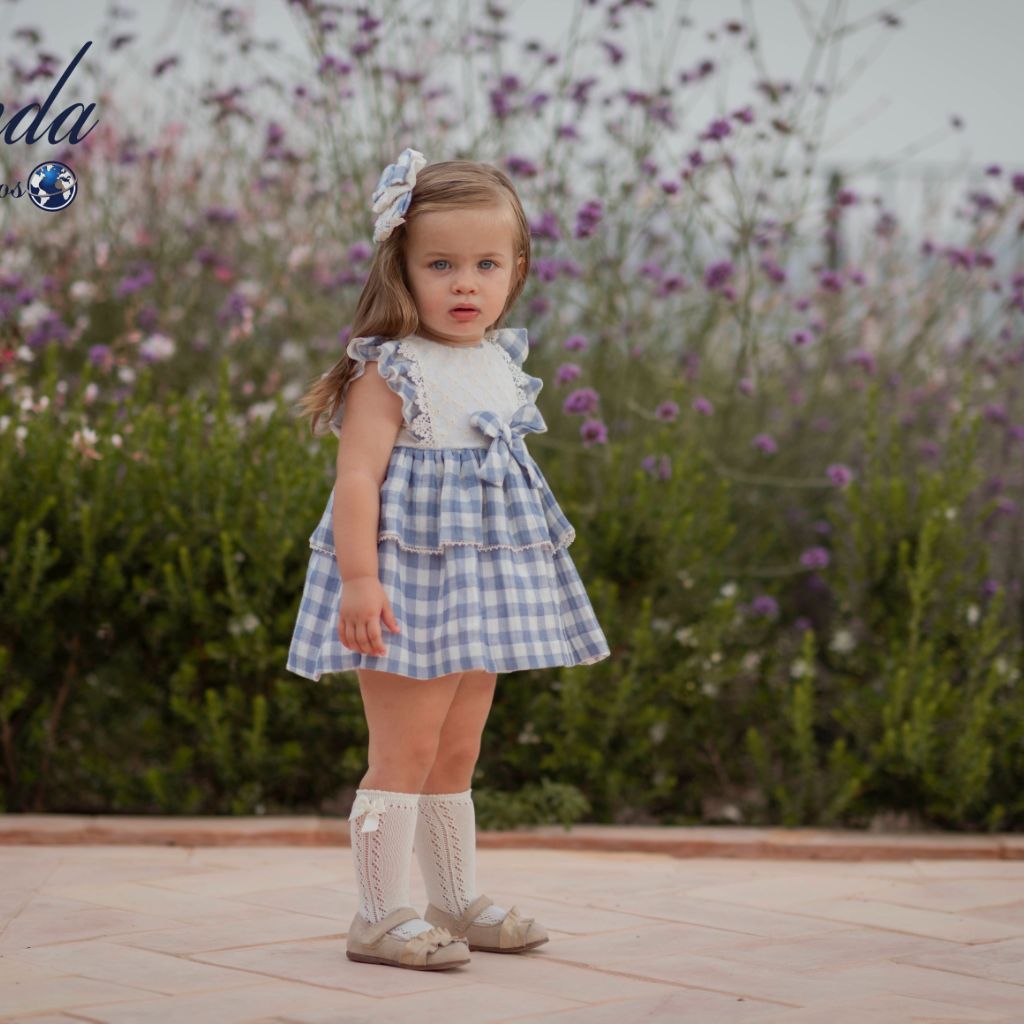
[382, 830]
[445, 845]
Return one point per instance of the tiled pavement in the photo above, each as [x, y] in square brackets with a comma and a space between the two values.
[146, 934]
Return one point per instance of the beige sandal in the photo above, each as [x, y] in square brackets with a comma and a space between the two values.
[434, 950]
[513, 934]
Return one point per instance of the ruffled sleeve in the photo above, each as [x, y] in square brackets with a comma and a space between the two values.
[515, 344]
[393, 367]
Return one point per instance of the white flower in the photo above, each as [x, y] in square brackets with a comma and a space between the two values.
[32, 315]
[685, 635]
[972, 614]
[261, 411]
[298, 256]
[82, 291]
[842, 641]
[125, 374]
[685, 578]
[658, 730]
[799, 668]
[158, 346]
[728, 590]
[751, 660]
[248, 623]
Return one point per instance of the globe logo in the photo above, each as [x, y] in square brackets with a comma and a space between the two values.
[52, 186]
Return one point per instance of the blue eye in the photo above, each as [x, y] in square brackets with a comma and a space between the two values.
[435, 262]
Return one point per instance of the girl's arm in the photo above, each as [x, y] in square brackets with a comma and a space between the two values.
[373, 417]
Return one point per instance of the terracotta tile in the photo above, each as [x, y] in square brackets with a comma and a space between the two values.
[49, 919]
[735, 978]
[996, 961]
[236, 933]
[907, 979]
[249, 1004]
[671, 1008]
[629, 944]
[837, 949]
[36, 995]
[885, 1008]
[952, 895]
[952, 927]
[235, 881]
[136, 968]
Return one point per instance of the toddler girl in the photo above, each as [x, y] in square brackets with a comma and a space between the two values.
[441, 526]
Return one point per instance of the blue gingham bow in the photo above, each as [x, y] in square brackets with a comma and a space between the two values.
[507, 443]
[393, 194]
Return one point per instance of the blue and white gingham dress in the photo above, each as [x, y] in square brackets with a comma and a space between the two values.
[472, 546]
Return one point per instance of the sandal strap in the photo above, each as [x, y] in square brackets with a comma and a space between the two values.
[473, 911]
[385, 924]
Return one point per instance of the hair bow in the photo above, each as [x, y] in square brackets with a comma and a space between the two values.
[507, 443]
[393, 194]
[375, 807]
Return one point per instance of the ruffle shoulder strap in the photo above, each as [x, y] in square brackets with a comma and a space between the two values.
[396, 371]
[515, 343]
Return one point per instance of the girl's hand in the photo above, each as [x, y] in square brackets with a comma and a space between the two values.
[363, 603]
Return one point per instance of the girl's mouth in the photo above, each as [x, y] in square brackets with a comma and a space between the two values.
[464, 312]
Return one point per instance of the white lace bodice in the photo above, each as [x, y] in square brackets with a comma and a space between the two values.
[453, 382]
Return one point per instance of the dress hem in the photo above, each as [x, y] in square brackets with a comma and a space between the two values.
[495, 666]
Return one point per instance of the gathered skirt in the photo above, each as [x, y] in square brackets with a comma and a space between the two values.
[497, 610]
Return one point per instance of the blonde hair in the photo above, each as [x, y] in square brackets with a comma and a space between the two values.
[386, 307]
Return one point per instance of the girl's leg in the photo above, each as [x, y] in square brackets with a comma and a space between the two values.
[404, 717]
[445, 841]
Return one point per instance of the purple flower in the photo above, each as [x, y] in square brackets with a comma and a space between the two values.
[765, 443]
[801, 338]
[773, 270]
[359, 252]
[100, 355]
[814, 558]
[520, 165]
[746, 386]
[702, 405]
[567, 372]
[135, 282]
[593, 432]
[839, 474]
[861, 357]
[546, 226]
[718, 129]
[588, 217]
[718, 273]
[671, 283]
[830, 281]
[664, 467]
[581, 402]
[667, 411]
[764, 605]
[575, 343]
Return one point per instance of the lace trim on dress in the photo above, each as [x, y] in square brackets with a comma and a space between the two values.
[563, 541]
[518, 375]
[421, 425]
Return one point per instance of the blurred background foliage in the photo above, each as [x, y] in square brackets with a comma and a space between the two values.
[792, 453]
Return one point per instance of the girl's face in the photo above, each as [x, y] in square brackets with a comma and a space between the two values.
[460, 258]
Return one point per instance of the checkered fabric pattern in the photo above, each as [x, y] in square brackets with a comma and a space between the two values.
[477, 569]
